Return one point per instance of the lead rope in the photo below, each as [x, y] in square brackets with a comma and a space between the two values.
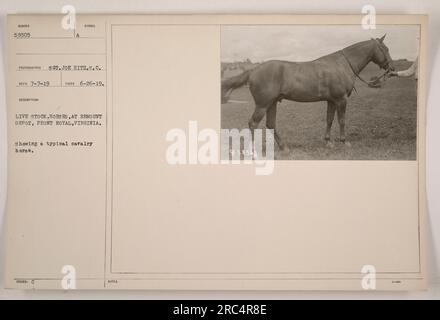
[352, 69]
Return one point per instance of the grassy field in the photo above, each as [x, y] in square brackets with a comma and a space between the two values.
[381, 124]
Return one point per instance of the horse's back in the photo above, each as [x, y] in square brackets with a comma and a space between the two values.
[321, 79]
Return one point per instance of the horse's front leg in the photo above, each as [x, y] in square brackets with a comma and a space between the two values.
[330, 116]
[341, 106]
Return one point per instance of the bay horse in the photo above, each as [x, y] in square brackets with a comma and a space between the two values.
[329, 78]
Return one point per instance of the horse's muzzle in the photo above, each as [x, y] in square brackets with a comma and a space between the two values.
[388, 66]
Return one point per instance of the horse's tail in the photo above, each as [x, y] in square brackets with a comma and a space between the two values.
[228, 85]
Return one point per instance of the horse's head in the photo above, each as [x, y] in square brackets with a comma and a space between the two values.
[381, 54]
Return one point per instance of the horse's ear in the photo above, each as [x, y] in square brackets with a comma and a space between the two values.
[381, 39]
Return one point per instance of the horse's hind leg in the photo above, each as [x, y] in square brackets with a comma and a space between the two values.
[255, 119]
[331, 108]
[271, 119]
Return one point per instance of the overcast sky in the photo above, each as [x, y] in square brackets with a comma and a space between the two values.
[302, 43]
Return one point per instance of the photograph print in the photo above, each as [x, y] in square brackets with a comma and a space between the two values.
[329, 92]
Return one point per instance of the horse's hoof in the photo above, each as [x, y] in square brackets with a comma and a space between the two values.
[329, 144]
[347, 144]
[284, 149]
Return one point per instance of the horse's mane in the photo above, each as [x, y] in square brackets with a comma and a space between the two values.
[354, 45]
